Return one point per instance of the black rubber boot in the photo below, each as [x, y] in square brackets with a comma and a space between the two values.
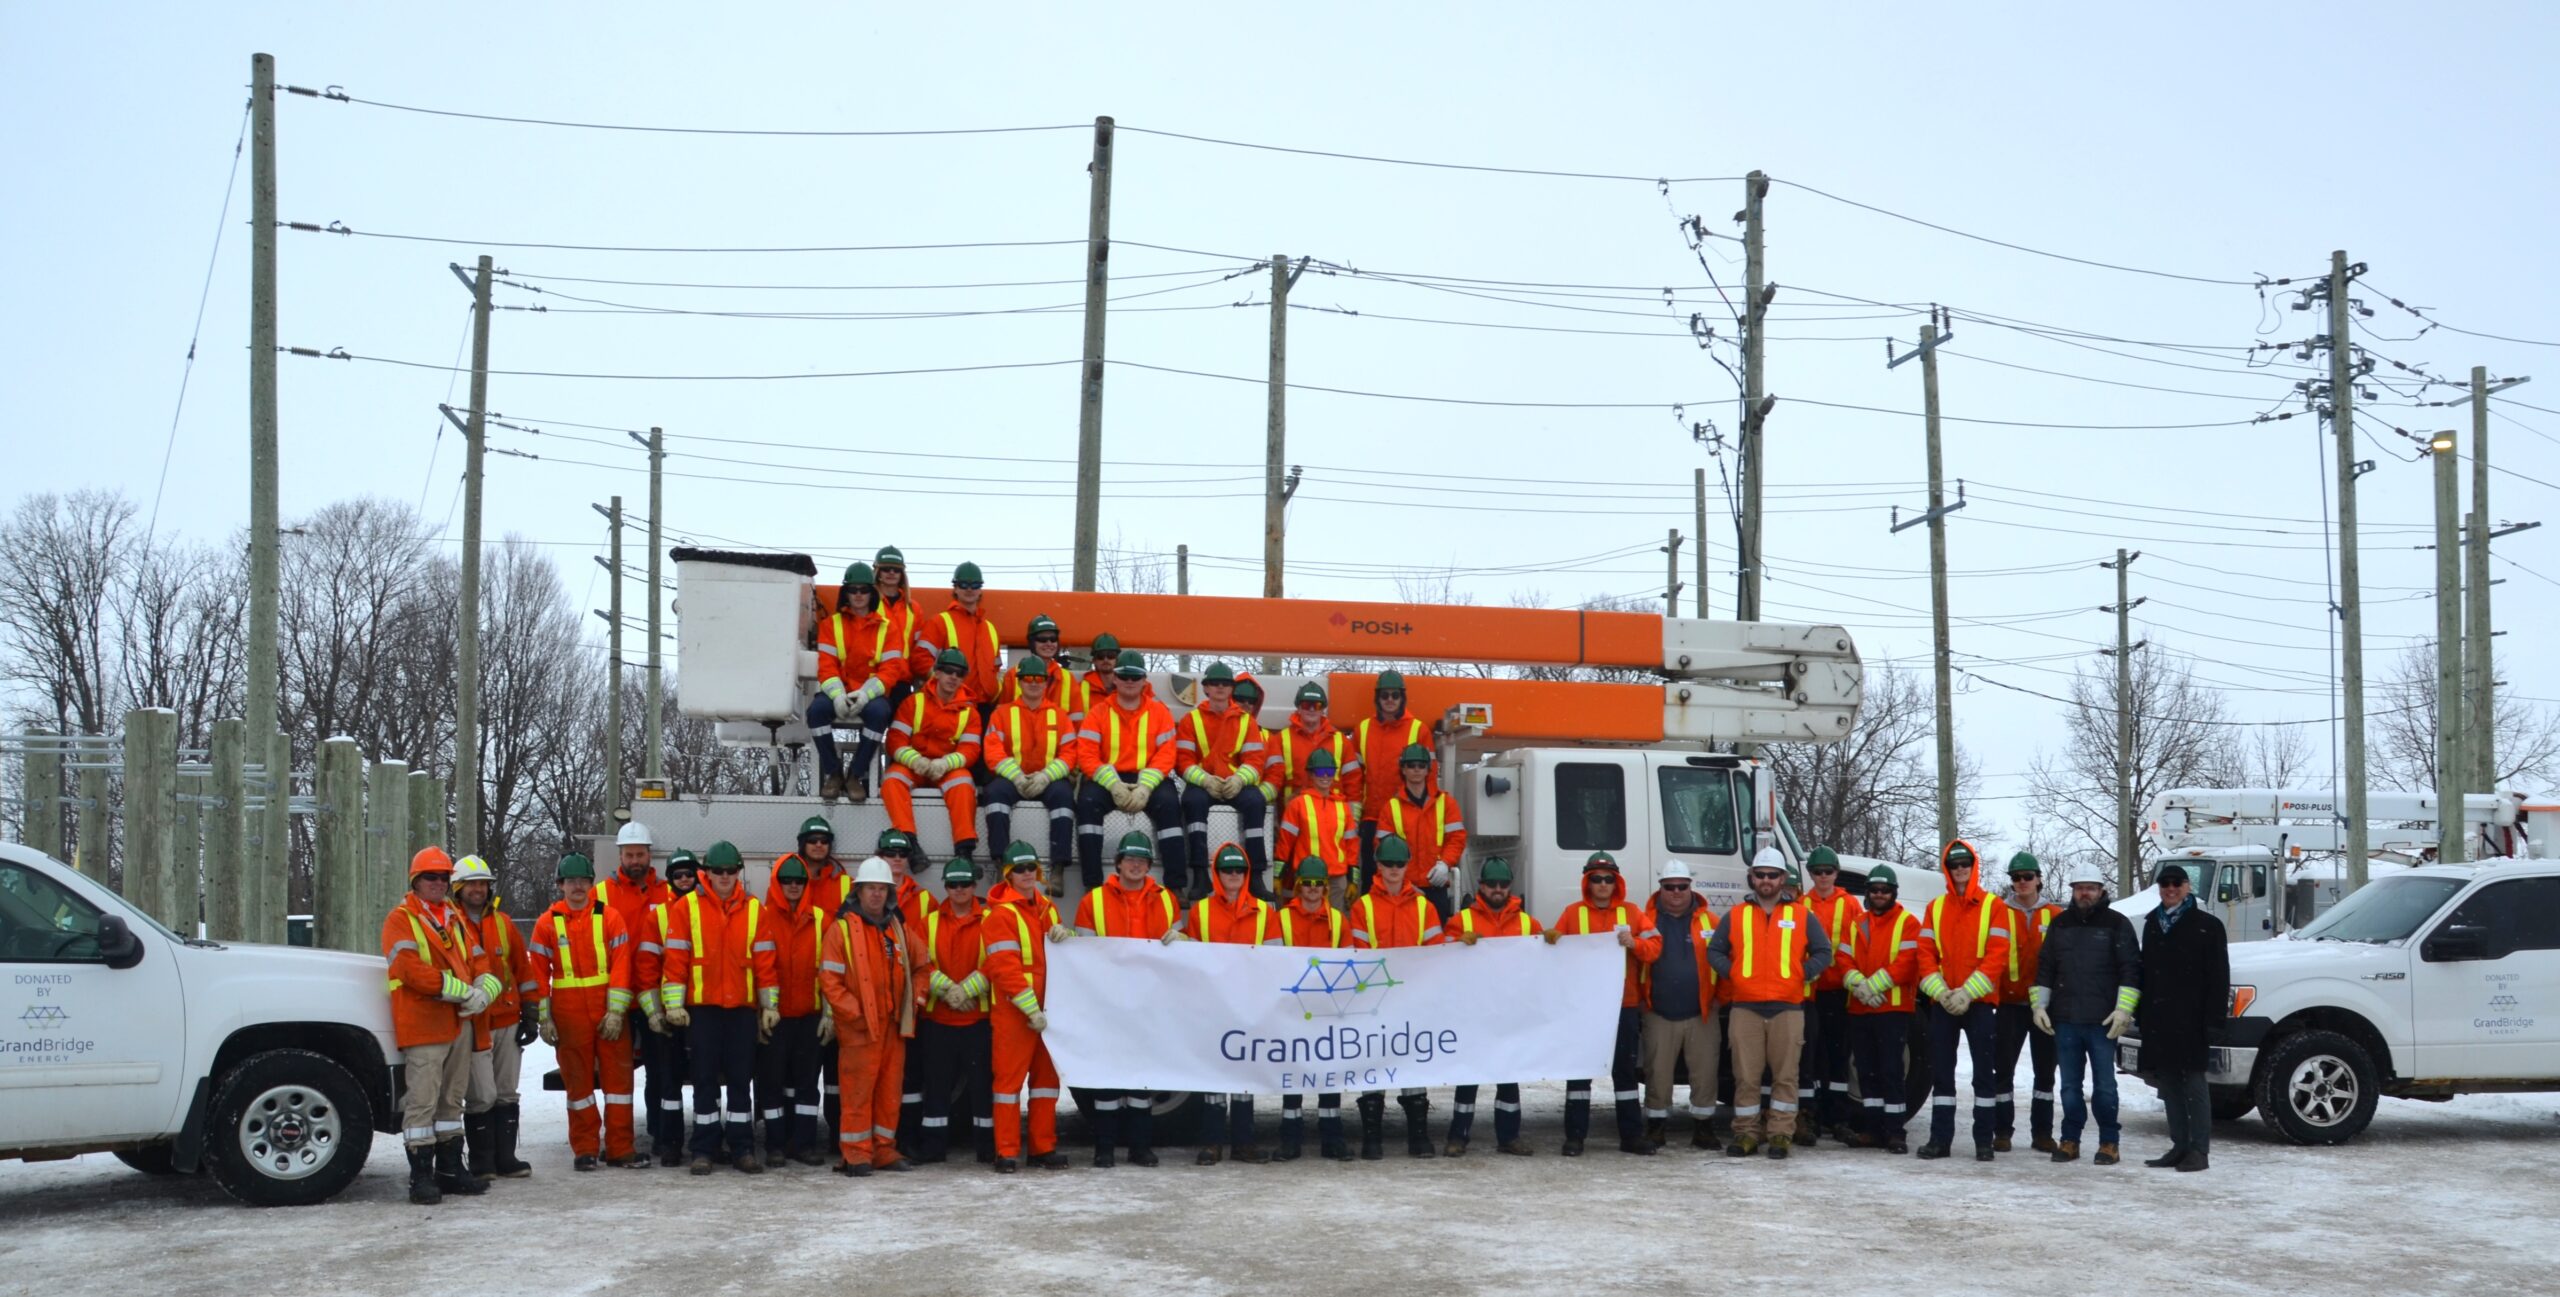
[1105, 1122]
[1631, 1133]
[451, 1175]
[1293, 1138]
[1329, 1136]
[422, 1176]
[1417, 1125]
[1577, 1121]
[1139, 1126]
[1373, 1127]
[508, 1115]
[480, 1143]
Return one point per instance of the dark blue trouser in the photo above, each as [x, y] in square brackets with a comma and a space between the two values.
[1625, 1077]
[1979, 1029]
[1823, 1069]
[2084, 1046]
[1506, 1113]
[2018, 1031]
[1878, 1041]
[1250, 806]
[1164, 812]
[998, 799]
[787, 1087]
[667, 1068]
[2188, 1100]
[1120, 1117]
[1226, 1119]
[723, 1044]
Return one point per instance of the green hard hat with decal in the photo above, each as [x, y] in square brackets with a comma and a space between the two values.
[1136, 843]
[1821, 858]
[574, 865]
[968, 574]
[792, 871]
[961, 871]
[1219, 673]
[1393, 850]
[1312, 870]
[890, 557]
[1494, 870]
[816, 826]
[1389, 680]
[1131, 666]
[1041, 625]
[723, 856]
[2025, 863]
[951, 659]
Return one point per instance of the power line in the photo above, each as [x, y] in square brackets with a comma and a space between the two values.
[341, 228]
[341, 354]
[842, 288]
[221, 223]
[2259, 282]
[340, 96]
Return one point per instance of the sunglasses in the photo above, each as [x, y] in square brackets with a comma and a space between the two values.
[1675, 887]
[1820, 873]
[1610, 879]
[1232, 869]
[723, 871]
[1760, 875]
[968, 585]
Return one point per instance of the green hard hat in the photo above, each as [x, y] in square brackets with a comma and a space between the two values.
[1392, 849]
[857, 573]
[1882, 876]
[963, 872]
[2025, 863]
[1106, 643]
[1231, 859]
[1494, 870]
[1219, 673]
[1020, 854]
[574, 865]
[1600, 861]
[967, 573]
[894, 840]
[1821, 857]
[1312, 870]
[1389, 680]
[951, 659]
[1958, 853]
[1136, 843]
[1041, 625]
[792, 871]
[1132, 665]
[1249, 690]
[723, 855]
[1414, 752]
[684, 861]
[1321, 761]
[890, 557]
[1032, 665]
[1311, 692]
[816, 826]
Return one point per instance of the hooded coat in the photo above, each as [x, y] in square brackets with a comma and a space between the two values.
[1964, 935]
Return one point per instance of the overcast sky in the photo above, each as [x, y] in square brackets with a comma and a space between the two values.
[2211, 141]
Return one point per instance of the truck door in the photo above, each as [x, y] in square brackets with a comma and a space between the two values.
[2486, 982]
[87, 1052]
[1702, 825]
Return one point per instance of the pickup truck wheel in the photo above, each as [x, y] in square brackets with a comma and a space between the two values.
[2317, 1087]
[287, 1128]
[153, 1159]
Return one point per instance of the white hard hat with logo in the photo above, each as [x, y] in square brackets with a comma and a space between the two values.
[1673, 869]
[472, 869]
[634, 834]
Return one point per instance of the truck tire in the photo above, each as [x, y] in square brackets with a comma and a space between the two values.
[151, 1159]
[287, 1128]
[2316, 1087]
[2232, 1102]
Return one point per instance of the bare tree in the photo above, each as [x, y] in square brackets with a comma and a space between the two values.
[2181, 738]
[538, 762]
[180, 635]
[61, 559]
[2273, 756]
[351, 579]
[1874, 793]
[2402, 730]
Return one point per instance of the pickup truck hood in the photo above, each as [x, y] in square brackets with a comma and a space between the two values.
[2290, 975]
[2293, 958]
[245, 983]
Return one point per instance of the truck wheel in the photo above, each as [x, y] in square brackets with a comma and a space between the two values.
[152, 1159]
[2317, 1087]
[287, 1128]
[2232, 1102]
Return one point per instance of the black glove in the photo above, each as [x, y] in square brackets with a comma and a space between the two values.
[526, 1031]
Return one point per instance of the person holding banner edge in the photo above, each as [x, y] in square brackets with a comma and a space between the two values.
[1135, 906]
[1393, 916]
[1495, 912]
[1230, 914]
[1308, 922]
[1021, 920]
[1604, 907]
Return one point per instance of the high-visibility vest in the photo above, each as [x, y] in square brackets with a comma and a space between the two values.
[1289, 925]
[1013, 731]
[1316, 839]
[933, 950]
[1981, 934]
[560, 929]
[1102, 911]
[1421, 918]
[1768, 976]
[836, 627]
[1200, 920]
[693, 914]
[450, 932]
[1289, 752]
[1618, 915]
[1898, 996]
[1467, 920]
[1439, 817]
[2044, 922]
[951, 637]
[1111, 754]
[1200, 739]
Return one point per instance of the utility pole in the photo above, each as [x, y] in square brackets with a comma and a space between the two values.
[1097, 289]
[1671, 575]
[1755, 406]
[2128, 847]
[264, 536]
[613, 664]
[1700, 596]
[1182, 585]
[466, 719]
[1942, 658]
[2479, 662]
[653, 759]
[2342, 392]
[2451, 768]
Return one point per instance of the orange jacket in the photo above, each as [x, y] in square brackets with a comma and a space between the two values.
[1478, 920]
[1244, 921]
[1381, 746]
[829, 884]
[1317, 927]
[583, 958]
[1067, 692]
[1432, 826]
[1384, 920]
[1115, 910]
[1135, 742]
[915, 903]
[797, 932]
[972, 634]
[872, 986]
[1837, 913]
[719, 953]
[901, 617]
[1316, 824]
[929, 727]
[950, 947]
[508, 959]
[1015, 937]
[1025, 741]
[1886, 945]
[1964, 938]
[854, 650]
[1286, 749]
[2026, 946]
[433, 956]
[1702, 929]
[1211, 744]
[1587, 916]
[615, 892]
[1770, 949]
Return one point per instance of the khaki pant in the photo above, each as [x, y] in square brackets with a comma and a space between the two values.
[494, 1071]
[1764, 1042]
[431, 1097]
[1667, 1043]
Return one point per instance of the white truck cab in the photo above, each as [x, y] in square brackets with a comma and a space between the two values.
[2431, 982]
[270, 1067]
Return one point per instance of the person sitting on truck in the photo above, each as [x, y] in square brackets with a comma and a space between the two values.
[1826, 1036]
[872, 984]
[1427, 818]
[1021, 922]
[1883, 952]
[961, 627]
[1318, 823]
[935, 740]
[1132, 906]
[898, 612]
[1066, 689]
[1964, 940]
[2186, 991]
[2088, 980]
[1292, 748]
[1494, 912]
[440, 977]
[1308, 922]
[1604, 908]
[1230, 915]
[1217, 753]
[489, 1108]
[1394, 915]
[1379, 743]
[1677, 990]
[584, 958]
[1029, 749]
[2029, 913]
[862, 666]
[1766, 953]
[1126, 756]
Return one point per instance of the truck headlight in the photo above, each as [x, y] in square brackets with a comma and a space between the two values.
[2241, 998]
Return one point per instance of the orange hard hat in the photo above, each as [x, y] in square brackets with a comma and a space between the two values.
[430, 860]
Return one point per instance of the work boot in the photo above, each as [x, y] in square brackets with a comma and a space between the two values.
[1742, 1146]
[2043, 1144]
[809, 1157]
[856, 791]
[480, 1143]
[1007, 1166]
[2106, 1156]
[1138, 1125]
[747, 1162]
[1572, 1146]
[451, 1175]
[1252, 1155]
[1329, 1142]
[2195, 1160]
[1932, 1151]
[1142, 1157]
[1454, 1148]
[1703, 1136]
[1417, 1125]
[671, 1153]
[831, 787]
[1999, 1143]
[1053, 1160]
[1293, 1138]
[1516, 1148]
[1373, 1127]
[584, 1162]
[2067, 1151]
[1104, 1123]
[1209, 1156]
[701, 1164]
[2175, 1155]
[1656, 1131]
[1896, 1144]
[630, 1162]
[897, 1164]
[1982, 1152]
[509, 1115]
[855, 1169]
[1640, 1146]
[422, 1176]
[1778, 1145]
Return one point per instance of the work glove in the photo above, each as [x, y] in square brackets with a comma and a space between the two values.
[826, 1028]
[474, 1003]
[1171, 935]
[1357, 812]
[2043, 1020]
[1626, 937]
[611, 1027]
[1870, 996]
[526, 1030]
[1039, 1020]
[1060, 932]
[2118, 1023]
[957, 997]
[657, 1021]
[1130, 798]
[1027, 785]
[871, 688]
[1956, 1000]
[834, 690]
[678, 1016]
[1037, 783]
[1855, 981]
[1550, 935]
[1469, 938]
[1438, 877]
[766, 1020]
[549, 1032]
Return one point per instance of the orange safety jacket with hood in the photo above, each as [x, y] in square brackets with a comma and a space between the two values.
[1886, 946]
[1588, 916]
[1385, 920]
[1964, 936]
[434, 961]
[1702, 929]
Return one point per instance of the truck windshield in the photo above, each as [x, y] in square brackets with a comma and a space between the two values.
[1697, 811]
[2384, 911]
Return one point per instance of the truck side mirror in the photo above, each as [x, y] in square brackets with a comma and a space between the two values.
[116, 943]
[1764, 800]
[2455, 942]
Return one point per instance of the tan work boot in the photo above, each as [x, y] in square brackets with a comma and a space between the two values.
[2106, 1156]
[2067, 1151]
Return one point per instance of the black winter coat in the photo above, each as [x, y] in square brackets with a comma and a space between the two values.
[2087, 955]
[2186, 990]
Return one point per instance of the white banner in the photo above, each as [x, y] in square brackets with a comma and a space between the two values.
[1137, 1015]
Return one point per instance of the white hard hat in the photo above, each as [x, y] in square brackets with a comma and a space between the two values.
[873, 870]
[1770, 858]
[472, 869]
[1672, 869]
[2085, 872]
[634, 834]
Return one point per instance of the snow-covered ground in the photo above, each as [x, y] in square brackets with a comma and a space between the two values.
[2434, 1198]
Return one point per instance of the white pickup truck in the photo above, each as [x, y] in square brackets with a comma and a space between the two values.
[269, 1067]
[2432, 982]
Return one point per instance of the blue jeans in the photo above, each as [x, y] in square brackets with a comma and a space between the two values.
[2084, 1046]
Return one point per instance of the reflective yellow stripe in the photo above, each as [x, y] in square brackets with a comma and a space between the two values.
[1139, 762]
[1893, 948]
[1013, 723]
[1101, 923]
[1786, 948]
[603, 971]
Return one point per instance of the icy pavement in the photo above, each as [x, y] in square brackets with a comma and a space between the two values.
[2433, 1198]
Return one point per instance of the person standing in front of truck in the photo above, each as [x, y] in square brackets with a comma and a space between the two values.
[662, 1049]
[717, 985]
[489, 1108]
[1883, 952]
[1604, 908]
[582, 955]
[2088, 982]
[1393, 915]
[440, 979]
[1768, 952]
[1826, 1037]
[2186, 988]
[1679, 995]
[1495, 912]
[1964, 939]
[2029, 913]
